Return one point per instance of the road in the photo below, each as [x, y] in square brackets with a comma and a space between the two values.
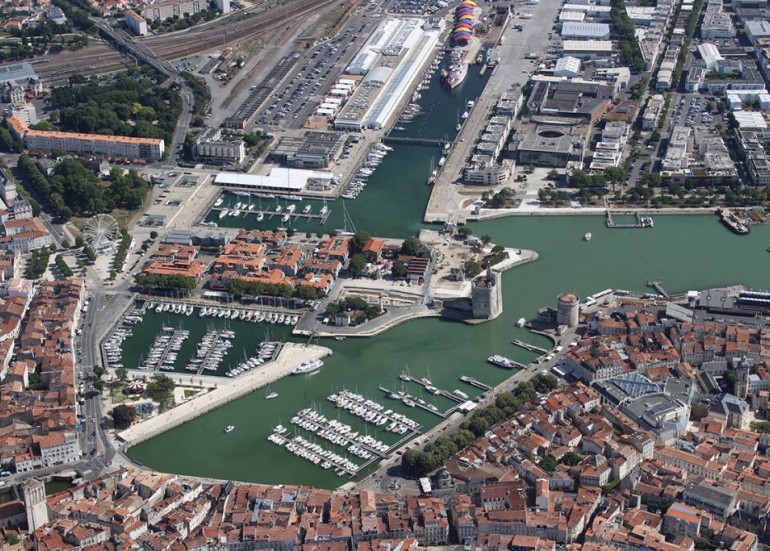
[387, 477]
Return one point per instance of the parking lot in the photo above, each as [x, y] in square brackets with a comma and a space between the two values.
[295, 100]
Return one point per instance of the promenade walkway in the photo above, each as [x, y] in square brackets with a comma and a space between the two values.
[291, 356]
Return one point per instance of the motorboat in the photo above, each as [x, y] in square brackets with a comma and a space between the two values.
[229, 428]
[521, 322]
[587, 236]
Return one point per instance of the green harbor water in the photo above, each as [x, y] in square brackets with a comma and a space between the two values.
[683, 251]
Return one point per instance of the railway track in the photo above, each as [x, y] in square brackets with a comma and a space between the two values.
[204, 39]
[100, 58]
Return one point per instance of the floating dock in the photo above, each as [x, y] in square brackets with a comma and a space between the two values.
[641, 222]
[530, 347]
[270, 214]
[473, 382]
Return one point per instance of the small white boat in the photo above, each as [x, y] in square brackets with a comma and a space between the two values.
[271, 396]
[260, 216]
[306, 209]
[521, 322]
[229, 428]
[587, 236]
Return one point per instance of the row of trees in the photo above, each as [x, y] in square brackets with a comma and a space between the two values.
[242, 287]
[168, 282]
[623, 29]
[38, 263]
[65, 270]
[120, 255]
[419, 463]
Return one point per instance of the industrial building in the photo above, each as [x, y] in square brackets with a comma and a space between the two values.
[573, 30]
[123, 147]
[567, 66]
[570, 99]
[313, 150]
[391, 61]
[756, 30]
[587, 49]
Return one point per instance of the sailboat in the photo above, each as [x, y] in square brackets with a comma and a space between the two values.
[459, 126]
[433, 171]
[347, 223]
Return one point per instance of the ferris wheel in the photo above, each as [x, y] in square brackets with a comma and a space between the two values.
[101, 232]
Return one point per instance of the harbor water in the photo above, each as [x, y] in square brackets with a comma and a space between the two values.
[684, 252]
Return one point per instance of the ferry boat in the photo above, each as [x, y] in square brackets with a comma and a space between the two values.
[229, 428]
[501, 361]
[458, 68]
[587, 236]
[308, 367]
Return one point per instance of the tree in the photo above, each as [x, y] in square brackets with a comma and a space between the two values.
[655, 136]
[122, 374]
[90, 254]
[357, 264]
[332, 309]
[98, 385]
[398, 270]
[472, 268]
[305, 292]
[615, 175]
[11, 539]
[123, 416]
[359, 241]
[410, 246]
[161, 389]
[153, 234]
[548, 463]
[486, 239]
[553, 175]
[78, 241]
[570, 459]
[465, 231]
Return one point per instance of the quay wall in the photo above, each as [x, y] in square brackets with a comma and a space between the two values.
[291, 355]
